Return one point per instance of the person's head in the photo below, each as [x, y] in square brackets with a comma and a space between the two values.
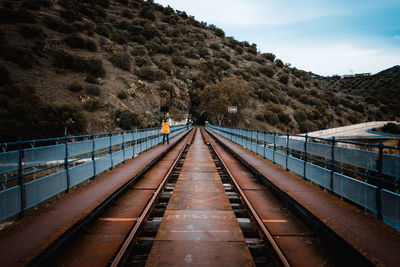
[166, 119]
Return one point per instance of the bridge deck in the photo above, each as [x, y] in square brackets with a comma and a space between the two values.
[199, 226]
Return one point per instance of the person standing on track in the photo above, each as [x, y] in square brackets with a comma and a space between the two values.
[165, 130]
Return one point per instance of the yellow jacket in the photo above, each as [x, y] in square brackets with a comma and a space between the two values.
[165, 128]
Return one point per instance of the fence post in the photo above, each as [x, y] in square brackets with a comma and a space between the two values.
[133, 144]
[305, 156]
[66, 162]
[110, 150]
[257, 141]
[287, 150]
[93, 156]
[140, 138]
[123, 145]
[333, 164]
[20, 178]
[379, 182]
[264, 144]
[273, 154]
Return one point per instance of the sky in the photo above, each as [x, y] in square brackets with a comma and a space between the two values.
[326, 37]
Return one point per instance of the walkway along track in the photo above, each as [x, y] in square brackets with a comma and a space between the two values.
[197, 205]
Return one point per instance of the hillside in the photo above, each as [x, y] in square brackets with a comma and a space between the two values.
[96, 66]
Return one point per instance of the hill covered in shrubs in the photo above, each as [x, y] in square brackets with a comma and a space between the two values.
[103, 65]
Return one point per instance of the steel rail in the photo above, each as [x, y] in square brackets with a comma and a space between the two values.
[260, 223]
[118, 260]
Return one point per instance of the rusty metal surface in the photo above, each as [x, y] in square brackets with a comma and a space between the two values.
[98, 244]
[200, 253]
[28, 237]
[276, 217]
[375, 240]
[199, 167]
[199, 176]
[199, 186]
[182, 200]
[154, 176]
[210, 225]
[199, 226]
[307, 251]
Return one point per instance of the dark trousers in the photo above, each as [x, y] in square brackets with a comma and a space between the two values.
[165, 137]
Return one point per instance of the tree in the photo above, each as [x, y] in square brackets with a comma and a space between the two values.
[215, 98]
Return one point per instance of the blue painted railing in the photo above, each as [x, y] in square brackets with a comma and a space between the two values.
[36, 170]
[362, 173]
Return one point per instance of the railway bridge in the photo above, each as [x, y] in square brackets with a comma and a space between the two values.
[214, 196]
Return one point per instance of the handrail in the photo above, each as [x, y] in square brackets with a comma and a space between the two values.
[363, 173]
[36, 173]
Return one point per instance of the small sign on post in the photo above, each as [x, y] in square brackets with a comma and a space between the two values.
[232, 109]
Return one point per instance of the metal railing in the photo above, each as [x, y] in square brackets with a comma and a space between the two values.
[364, 173]
[36, 170]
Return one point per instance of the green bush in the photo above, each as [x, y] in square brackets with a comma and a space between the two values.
[271, 117]
[165, 65]
[30, 117]
[142, 61]
[267, 71]
[306, 126]
[122, 94]
[391, 128]
[92, 104]
[299, 84]
[23, 57]
[127, 14]
[219, 32]
[92, 90]
[139, 51]
[91, 79]
[180, 61]
[215, 46]
[16, 16]
[150, 32]
[126, 119]
[151, 73]
[70, 15]
[147, 14]
[105, 30]
[283, 78]
[300, 115]
[75, 86]
[120, 37]
[31, 4]
[279, 63]
[4, 76]
[284, 118]
[121, 60]
[77, 41]
[58, 25]
[260, 117]
[30, 32]
[63, 60]
[269, 56]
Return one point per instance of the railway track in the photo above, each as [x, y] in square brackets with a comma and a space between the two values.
[197, 205]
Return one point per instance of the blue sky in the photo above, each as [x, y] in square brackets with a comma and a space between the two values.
[326, 37]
